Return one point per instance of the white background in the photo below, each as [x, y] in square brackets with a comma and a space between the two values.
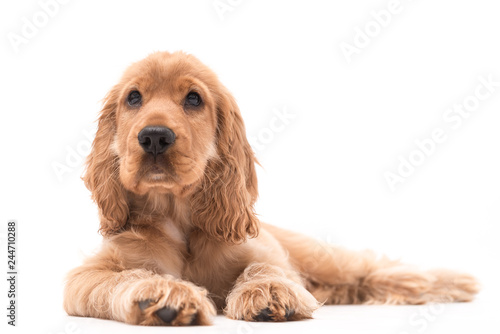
[323, 173]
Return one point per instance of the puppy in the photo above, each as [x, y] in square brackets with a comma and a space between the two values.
[174, 178]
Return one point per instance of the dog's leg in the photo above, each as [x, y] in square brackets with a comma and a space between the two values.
[395, 284]
[266, 292]
[339, 276]
[101, 289]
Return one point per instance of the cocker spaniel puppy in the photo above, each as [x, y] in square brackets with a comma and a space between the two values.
[174, 178]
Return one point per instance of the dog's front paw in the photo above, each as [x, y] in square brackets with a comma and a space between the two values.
[264, 300]
[161, 301]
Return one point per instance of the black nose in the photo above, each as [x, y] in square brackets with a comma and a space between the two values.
[156, 139]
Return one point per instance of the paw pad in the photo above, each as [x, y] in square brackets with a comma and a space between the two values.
[166, 314]
[266, 315]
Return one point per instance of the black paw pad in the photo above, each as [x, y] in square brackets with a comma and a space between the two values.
[264, 315]
[166, 314]
[194, 320]
[144, 304]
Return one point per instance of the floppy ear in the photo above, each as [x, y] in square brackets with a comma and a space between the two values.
[223, 205]
[101, 176]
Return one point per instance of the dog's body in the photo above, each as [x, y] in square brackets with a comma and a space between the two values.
[173, 176]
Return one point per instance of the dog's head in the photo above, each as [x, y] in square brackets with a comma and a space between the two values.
[170, 127]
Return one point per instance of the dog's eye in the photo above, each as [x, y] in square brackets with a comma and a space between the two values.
[193, 99]
[134, 99]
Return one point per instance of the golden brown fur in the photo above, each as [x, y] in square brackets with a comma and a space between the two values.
[180, 233]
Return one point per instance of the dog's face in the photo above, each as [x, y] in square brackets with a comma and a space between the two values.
[170, 127]
[165, 124]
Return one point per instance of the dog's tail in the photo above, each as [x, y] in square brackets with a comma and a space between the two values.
[338, 276]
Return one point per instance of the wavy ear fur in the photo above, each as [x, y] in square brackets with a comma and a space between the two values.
[101, 176]
[222, 207]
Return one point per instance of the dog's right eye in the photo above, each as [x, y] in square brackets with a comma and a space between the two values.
[134, 99]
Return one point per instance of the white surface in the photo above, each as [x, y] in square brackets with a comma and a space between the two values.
[439, 318]
[323, 172]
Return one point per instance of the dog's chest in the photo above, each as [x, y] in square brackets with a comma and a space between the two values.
[174, 232]
[215, 266]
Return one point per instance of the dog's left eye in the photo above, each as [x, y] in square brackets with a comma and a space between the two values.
[134, 99]
[193, 99]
